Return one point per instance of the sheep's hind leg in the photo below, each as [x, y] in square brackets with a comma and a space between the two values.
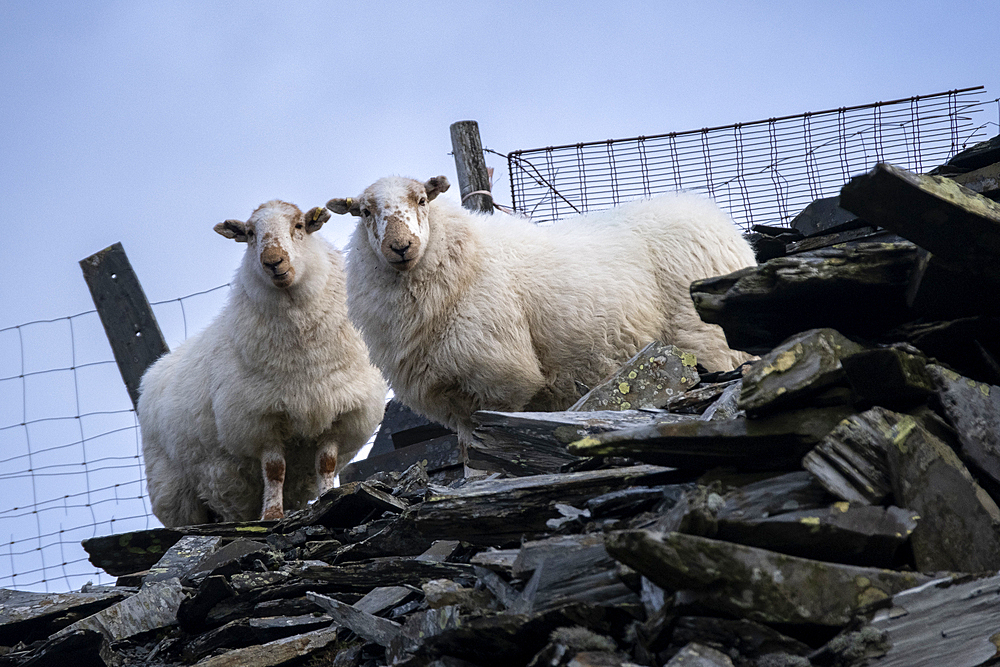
[272, 464]
[326, 466]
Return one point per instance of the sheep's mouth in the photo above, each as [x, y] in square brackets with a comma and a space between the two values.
[282, 279]
[402, 264]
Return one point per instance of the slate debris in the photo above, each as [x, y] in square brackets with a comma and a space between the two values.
[833, 503]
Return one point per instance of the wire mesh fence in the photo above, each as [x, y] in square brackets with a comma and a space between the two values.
[763, 172]
[70, 451]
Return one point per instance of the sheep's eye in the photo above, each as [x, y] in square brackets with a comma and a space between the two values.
[250, 233]
[365, 212]
[298, 226]
[422, 202]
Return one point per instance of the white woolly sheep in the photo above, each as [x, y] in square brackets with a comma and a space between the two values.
[465, 312]
[258, 412]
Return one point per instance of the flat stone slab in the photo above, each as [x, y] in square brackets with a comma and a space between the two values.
[757, 584]
[649, 379]
[799, 368]
[955, 223]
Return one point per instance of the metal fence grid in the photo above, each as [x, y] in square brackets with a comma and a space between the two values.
[763, 172]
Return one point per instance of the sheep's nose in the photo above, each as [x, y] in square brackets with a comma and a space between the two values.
[400, 247]
[272, 263]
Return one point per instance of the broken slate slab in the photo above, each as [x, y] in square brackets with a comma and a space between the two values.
[756, 584]
[649, 379]
[959, 527]
[973, 409]
[851, 462]
[278, 652]
[28, 617]
[699, 655]
[371, 628]
[153, 607]
[775, 442]
[857, 290]
[842, 533]
[796, 370]
[343, 507]
[934, 212]
[824, 215]
[498, 511]
[182, 558]
[941, 623]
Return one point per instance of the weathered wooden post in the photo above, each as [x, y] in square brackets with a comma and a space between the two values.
[473, 178]
[128, 320]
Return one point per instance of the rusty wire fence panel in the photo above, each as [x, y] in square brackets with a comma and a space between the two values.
[764, 172]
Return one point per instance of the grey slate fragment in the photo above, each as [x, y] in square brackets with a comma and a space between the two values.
[343, 507]
[274, 653]
[794, 371]
[382, 631]
[649, 379]
[775, 442]
[941, 623]
[183, 557]
[698, 655]
[224, 560]
[29, 617]
[959, 530]
[851, 461]
[384, 597]
[823, 215]
[153, 607]
[756, 584]
[857, 290]
[893, 377]
[973, 409]
[932, 211]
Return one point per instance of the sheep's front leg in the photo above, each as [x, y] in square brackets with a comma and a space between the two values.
[273, 465]
[326, 465]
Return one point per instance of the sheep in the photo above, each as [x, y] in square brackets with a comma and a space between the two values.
[258, 412]
[466, 312]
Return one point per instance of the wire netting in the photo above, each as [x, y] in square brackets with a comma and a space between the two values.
[763, 172]
[70, 451]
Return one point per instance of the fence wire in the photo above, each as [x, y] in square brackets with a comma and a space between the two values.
[763, 172]
[70, 451]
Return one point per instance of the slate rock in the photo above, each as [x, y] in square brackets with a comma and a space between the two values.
[857, 290]
[892, 377]
[932, 211]
[850, 462]
[970, 345]
[823, 215]
[796, 370]
[959, 527]
[979, 155]
[775, 442]
[153, 607]
[699, 655]
[756, 584]
[650, 378]
[973, 409]
[28, 617]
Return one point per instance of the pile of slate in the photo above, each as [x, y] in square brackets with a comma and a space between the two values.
[833, 503]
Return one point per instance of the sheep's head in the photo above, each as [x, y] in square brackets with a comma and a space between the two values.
[274, 234]
[395, 213]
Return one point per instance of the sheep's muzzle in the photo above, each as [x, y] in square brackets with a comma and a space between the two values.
[275, 262]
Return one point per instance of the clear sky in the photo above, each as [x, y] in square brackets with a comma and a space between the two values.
[149, 122]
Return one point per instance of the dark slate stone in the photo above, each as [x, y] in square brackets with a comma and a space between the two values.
[825, 216]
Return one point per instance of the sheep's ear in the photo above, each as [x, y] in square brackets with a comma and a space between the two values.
[342, 206]
[436, 186]
[315, 217]
[233, 229]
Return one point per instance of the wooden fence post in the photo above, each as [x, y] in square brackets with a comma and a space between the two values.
[471, 166]
[128, 320]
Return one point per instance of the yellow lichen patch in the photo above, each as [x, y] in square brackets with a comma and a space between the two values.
[589, 441]
[633, 375]
[626, 405]
[623, 387]
[843, 506]
[984, 389]
[780, 390]
[810, 520]
[871, 595]
[901, 431]
[689, 359]
[252, 529]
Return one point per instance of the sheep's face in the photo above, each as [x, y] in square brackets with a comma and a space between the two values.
[275, 235]
[395, 213]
